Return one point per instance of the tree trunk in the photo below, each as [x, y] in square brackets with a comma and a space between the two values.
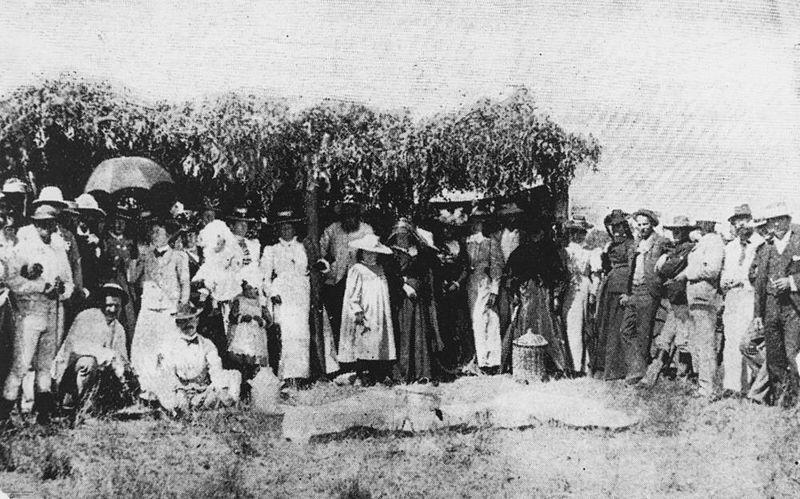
[315, 318]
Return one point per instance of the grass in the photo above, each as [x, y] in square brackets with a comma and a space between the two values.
[682, 448]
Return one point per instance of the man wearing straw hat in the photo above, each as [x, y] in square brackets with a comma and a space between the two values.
[39, 277]
[739, 294]
[777, 281]
[190, 373]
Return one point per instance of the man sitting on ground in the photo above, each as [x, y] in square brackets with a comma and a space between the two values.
[96, 341]
[190, 369]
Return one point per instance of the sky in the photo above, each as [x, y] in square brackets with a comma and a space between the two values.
[694, 102]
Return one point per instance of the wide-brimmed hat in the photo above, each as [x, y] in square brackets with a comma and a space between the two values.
[87, 205]
[681, 222]
[350, 199]
[578, 223]
[509, 209]
[45, 212]
[241, 214]
[371, 243]
[775, 210]
[647, 213]
[14, 185]
[742, 211]
[286, 216]
[113, 289]
[616, 216]
[127, 207]
[72, 207]
[185, 312]
[50, 195]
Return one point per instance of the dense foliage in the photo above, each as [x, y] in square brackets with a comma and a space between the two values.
[256, 148]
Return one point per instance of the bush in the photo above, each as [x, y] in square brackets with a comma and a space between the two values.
[55, 465]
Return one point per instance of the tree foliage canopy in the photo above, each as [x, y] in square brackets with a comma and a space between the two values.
[250, 146]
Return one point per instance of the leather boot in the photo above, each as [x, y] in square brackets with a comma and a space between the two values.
[44, 405]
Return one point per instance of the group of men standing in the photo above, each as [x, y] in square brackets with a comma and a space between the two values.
[733, 309]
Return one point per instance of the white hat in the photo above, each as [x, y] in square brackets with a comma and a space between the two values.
[775, 210]
[87, 203]
[14, 185]
[371, 243]
[51, 195]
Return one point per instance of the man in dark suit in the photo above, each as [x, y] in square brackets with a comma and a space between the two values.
[778, 281]
[643, 297]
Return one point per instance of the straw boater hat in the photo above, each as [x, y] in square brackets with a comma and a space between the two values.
[776, 210]
[45, 212]
[742, 211]
[87, 205]
[113, 289]
[52, 196]
[681, 222]
[286, 216]
[371, 243]
[578, 223]
[647, 213]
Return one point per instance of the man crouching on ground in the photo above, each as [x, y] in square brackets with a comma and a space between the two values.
[96, 341]
[190, 369]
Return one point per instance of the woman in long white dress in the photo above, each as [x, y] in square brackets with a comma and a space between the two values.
[284, 266]
[367, 335]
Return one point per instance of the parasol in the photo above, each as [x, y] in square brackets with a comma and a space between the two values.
[126, 172]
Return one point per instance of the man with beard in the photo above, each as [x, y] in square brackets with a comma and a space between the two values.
[89, 244]
[777, 280]
[739, 295]
[338, 257]
[643, 297]
[95, 341]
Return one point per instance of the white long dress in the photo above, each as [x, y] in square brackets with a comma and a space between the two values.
[367, 291]
[576, 302]
[285, 269]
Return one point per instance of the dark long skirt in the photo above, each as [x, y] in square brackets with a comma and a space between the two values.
[418, 341]
[6, 340]
[456, 329]
[608, 357]
[536, 313]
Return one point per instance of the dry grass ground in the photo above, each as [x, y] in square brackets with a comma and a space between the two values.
[682, 448]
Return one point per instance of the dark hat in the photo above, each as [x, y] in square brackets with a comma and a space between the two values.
[647, 213]
[681, 222]
[241, 214]
[211, 205]
[113, 289]
[286, 216]
[616, 216]
[127, 207]
[349, 199]
[742, 211]
[185, 312]
[578, 223]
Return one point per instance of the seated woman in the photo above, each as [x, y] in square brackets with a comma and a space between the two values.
[190, 369]
[95, 344]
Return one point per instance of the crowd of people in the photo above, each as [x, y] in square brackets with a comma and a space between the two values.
[181, 309]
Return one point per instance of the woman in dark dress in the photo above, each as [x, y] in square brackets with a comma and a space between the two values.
[538, 278]
[411, 284]
[608, 361]
[451, 288]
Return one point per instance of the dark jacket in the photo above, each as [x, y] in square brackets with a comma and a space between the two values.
[652, 281]
[773, 265]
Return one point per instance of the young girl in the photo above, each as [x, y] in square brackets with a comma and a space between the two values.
[247, 346]
[367, 336]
